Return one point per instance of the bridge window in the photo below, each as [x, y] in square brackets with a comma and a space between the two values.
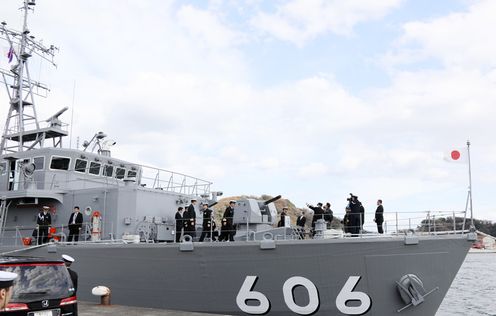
[131, 174]
[39, 163]
[108, 171]
[95, 168]
[60, 163]
[80, 165]
[120, 173]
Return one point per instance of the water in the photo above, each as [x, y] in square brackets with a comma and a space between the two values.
[473, 292]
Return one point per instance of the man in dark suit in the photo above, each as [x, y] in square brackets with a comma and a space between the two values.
[355, 215]
[282, 221]
[179, 223]
[75, 225]
[44, 221]
[379, 217]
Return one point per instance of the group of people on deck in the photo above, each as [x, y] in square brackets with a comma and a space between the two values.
[44, 223]
[186, 223]
[352, 222]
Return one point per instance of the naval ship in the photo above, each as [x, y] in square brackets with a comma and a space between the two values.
[128, 241]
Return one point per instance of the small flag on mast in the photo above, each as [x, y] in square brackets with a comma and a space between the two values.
[10, 54]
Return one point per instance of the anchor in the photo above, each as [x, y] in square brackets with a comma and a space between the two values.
[412, 291]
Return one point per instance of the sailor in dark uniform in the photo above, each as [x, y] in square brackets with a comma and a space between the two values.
[44, 221]
[215, 231]
[227, 230]
[318, 213]
[6, 288]
[189, 218]
[282, 221]
[68, 260]
[179, 223]
[300, 225]
[207, 227]
[379, 217]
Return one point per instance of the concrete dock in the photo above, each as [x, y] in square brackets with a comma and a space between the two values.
[92, 309]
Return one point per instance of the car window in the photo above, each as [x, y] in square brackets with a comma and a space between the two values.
[40, 281]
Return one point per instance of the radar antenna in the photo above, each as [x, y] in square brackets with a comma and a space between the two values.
[22, 129]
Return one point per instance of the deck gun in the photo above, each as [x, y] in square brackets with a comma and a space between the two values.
[255, 212]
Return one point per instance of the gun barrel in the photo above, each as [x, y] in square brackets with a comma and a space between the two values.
[272, 200]
[210, 205]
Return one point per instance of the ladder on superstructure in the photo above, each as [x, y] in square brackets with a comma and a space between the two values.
[22, 130]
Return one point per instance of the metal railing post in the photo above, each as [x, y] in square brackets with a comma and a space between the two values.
[429, 221]
[361, 227]
[454, 223]
[434, 222]
[397, 229]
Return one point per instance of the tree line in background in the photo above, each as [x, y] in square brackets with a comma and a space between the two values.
[447, 223]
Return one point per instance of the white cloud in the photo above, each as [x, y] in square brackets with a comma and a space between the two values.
[206, 26]
[461, 39]
[171, 84]
[313, 170]
[298, 21]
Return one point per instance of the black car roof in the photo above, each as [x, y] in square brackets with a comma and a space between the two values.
[26, 259]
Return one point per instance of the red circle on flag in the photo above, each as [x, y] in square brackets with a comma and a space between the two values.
[455, 155]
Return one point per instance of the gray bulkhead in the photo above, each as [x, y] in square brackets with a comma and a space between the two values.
[63, 178]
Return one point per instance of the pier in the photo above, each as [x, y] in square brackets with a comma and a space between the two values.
[91, 309]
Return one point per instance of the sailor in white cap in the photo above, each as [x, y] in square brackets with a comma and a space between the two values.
[6, 285]
[44, 221]
[68, 260]
[227, 230]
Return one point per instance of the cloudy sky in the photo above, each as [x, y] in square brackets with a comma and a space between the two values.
[311, 99]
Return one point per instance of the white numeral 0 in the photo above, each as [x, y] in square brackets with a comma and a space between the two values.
[313, 295]
[347, 294]
[245, 293]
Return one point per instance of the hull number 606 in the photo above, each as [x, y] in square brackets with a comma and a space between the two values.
[260, 304]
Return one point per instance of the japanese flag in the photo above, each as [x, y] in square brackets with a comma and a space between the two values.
[456, 155]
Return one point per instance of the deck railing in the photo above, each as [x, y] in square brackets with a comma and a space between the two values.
[147, 177]
[395, 224]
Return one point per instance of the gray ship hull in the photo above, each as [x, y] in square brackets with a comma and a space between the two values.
[291, 278]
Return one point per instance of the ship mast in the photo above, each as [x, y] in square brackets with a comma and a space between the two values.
[22, 130]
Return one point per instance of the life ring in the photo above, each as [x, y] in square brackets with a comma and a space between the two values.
[186, 238]
[268, 236]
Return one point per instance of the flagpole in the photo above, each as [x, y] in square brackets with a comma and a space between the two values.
[470, 185]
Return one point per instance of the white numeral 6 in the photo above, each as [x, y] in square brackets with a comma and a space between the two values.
[347, 294]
